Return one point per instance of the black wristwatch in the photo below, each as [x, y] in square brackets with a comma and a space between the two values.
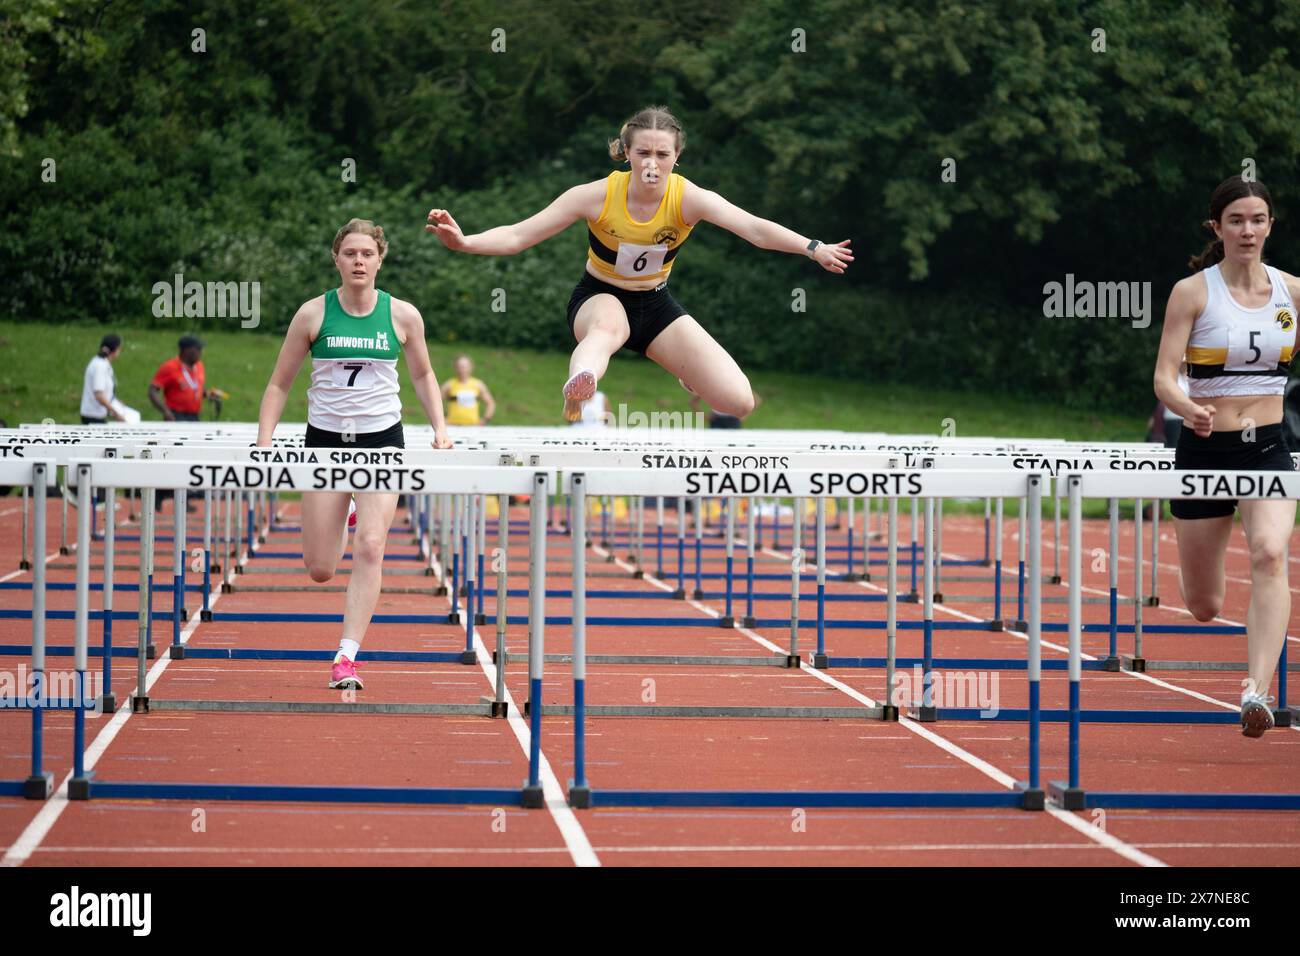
[812, 247]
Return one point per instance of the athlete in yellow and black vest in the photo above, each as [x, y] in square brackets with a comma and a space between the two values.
[353, 334]
[637, 222]
[463, 395]
[1234, 320]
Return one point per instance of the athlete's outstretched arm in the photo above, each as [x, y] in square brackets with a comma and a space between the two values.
[580, 202]
[705, 204]
[1186, 302]
[408, 322]
[297, 343]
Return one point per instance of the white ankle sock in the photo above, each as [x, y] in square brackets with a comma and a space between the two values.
[347, 649]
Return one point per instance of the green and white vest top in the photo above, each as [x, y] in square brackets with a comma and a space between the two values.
[354, 370]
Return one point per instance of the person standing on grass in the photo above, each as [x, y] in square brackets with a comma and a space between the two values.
[353, 334]
[1234, 320]
[99, 384]
[637, 222]
[177, 389]
[465, 392]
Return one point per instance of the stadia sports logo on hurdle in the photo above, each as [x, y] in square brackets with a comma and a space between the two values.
[952, 689]
[54, 690]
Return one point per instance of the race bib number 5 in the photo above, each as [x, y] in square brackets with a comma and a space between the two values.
[353, 374]
[634, 260]
[1252, 350]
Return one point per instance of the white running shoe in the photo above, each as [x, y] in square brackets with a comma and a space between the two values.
[1256, 714]
[578, 389]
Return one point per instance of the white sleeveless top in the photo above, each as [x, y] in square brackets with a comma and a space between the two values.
[1238, 351]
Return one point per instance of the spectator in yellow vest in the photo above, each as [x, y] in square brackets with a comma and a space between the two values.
[462, 395]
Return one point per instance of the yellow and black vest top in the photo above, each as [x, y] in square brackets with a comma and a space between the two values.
[463, 409]
[620, 247]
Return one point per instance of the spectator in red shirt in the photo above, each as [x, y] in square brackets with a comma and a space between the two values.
[177, 389]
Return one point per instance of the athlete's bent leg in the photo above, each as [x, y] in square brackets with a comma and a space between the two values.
[1268, 534]
[687, 351]
[1202, 543]
[601, 329]
[324, 532]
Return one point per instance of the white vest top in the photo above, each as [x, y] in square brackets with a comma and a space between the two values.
[1238, 351]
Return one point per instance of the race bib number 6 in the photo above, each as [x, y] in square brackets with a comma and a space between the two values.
[634, 260]
[1253, 349]
[353, 374]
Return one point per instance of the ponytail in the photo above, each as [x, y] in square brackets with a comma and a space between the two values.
[1211, 254]
[109, 344]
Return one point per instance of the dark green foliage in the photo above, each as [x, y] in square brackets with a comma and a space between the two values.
[226, 165]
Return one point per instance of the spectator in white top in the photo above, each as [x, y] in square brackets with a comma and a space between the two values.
[99, 393]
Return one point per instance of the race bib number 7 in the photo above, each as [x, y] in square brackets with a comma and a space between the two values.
[634, 260]
[1253, 350]
[353, 373]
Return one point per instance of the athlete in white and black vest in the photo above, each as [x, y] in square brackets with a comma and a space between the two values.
[1234, 320]
[354, 334]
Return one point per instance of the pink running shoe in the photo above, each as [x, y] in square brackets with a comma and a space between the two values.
[578, 389]
[352, 513]
[343, 676]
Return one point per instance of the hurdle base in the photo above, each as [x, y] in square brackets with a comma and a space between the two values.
[63, 550]
[1054, 579]
[468, 657]
[1035, 797]
[747, 621]
[912, 598]
[889, 713]
[461, 592]
[205, 615]
[1021, 626]
[39, 786]
[24, 565]
[579, 797]
[1135, 664]
[819, 661]
[1068, 798]
[479, 619]
[926, 714]
[638, 574]
[185, 614]
[727, 621]
[214, 568]
[1112, 664]
[851, 576]
[79, 787]
[499, 708]
[697, 595]
[139, 704]
[107, 703]
[610, 558]
[1152, 601]
[997, 624]
[226, 588]
[176, 652]
[938, 597]
[679, 594]
[532, 798]
[792, 661]
[453, 617]
[1282, 718]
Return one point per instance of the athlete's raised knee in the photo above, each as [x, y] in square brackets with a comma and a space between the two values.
[739, 403]
[320, 571]
[1205, 608]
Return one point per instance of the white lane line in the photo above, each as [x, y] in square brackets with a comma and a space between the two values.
[1092, 832]
[36, 831]
[13, 574]
[566, 821]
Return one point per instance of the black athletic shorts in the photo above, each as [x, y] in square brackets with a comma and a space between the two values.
[388, 438]
[1226, 451]
[648, 313]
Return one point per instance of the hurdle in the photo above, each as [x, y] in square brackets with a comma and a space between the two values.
[89, 474]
